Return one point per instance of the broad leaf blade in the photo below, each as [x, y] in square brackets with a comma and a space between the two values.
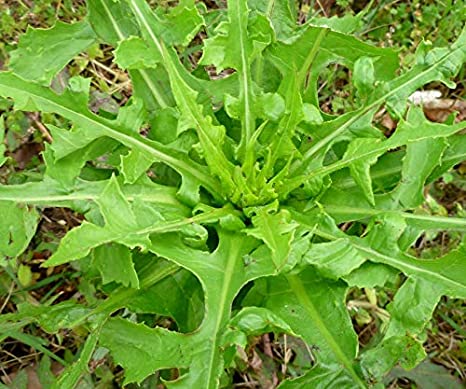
[42, 53]
[17, 228]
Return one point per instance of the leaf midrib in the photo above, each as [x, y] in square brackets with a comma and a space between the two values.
[394, 262]
[221, 310]
[248, 125]
[141, 144]
[348, 182]
[461, 223]
[160, 227]
[400, 265]
[27, 193]
[158, 97]
[328, 169]
[200, 122]
[298, 289]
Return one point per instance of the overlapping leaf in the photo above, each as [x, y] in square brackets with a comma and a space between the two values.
[314, 308]
[441, 65]
[126, 223]
[42, 53]
[222, 275]
[18, 226]
[73, 106]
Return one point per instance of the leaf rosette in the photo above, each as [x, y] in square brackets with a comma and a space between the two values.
[253, 179]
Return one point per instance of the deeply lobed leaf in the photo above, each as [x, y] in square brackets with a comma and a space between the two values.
[239, 184]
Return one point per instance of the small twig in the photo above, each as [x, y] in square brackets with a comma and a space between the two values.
[25, 4]
[6, 377]
[322, 8]
[57, 10]
[46, 218]
[267, 345]
[14, 357]
[7, 298]
[355, 304]
[104, 67]
[40, 126]
[119, 87]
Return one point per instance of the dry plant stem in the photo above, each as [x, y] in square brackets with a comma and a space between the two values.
[8, 296]
[35, 117]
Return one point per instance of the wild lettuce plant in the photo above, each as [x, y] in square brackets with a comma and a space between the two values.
[215, 195]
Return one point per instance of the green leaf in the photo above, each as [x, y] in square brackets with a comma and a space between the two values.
[111, 20]
[184, 303]
[282, 15]
[81, 193]
[441, 66]
[351, 205]
[133, 53]
[42, 53]
[134, 165]
[427, 376]
[420, 160]
[446, 273]
[412, 307]
[115, 265]
[347, 24]
[321, 46]
[72, 374]
[46, 377]
[177, 27]
[370, 275]
[454, 154]
[314, 308]
[138, 348]
[50, 318]
[420, 135]
[180, 24]
[215, 197]
[363, 76]
[24, 275]
[360, 169]
[120, 225]
[125, 223]
[73, 106]
[334, 259]
[257, 321]
[281, 145]
[3, 159]
[378, 361]
[320, 376]
[18, 227]
[235, 45]
[211, 136]
[438, 64]
[276, 231]
[222, 274]
[21, 380]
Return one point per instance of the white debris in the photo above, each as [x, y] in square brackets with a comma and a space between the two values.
[424, 96]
